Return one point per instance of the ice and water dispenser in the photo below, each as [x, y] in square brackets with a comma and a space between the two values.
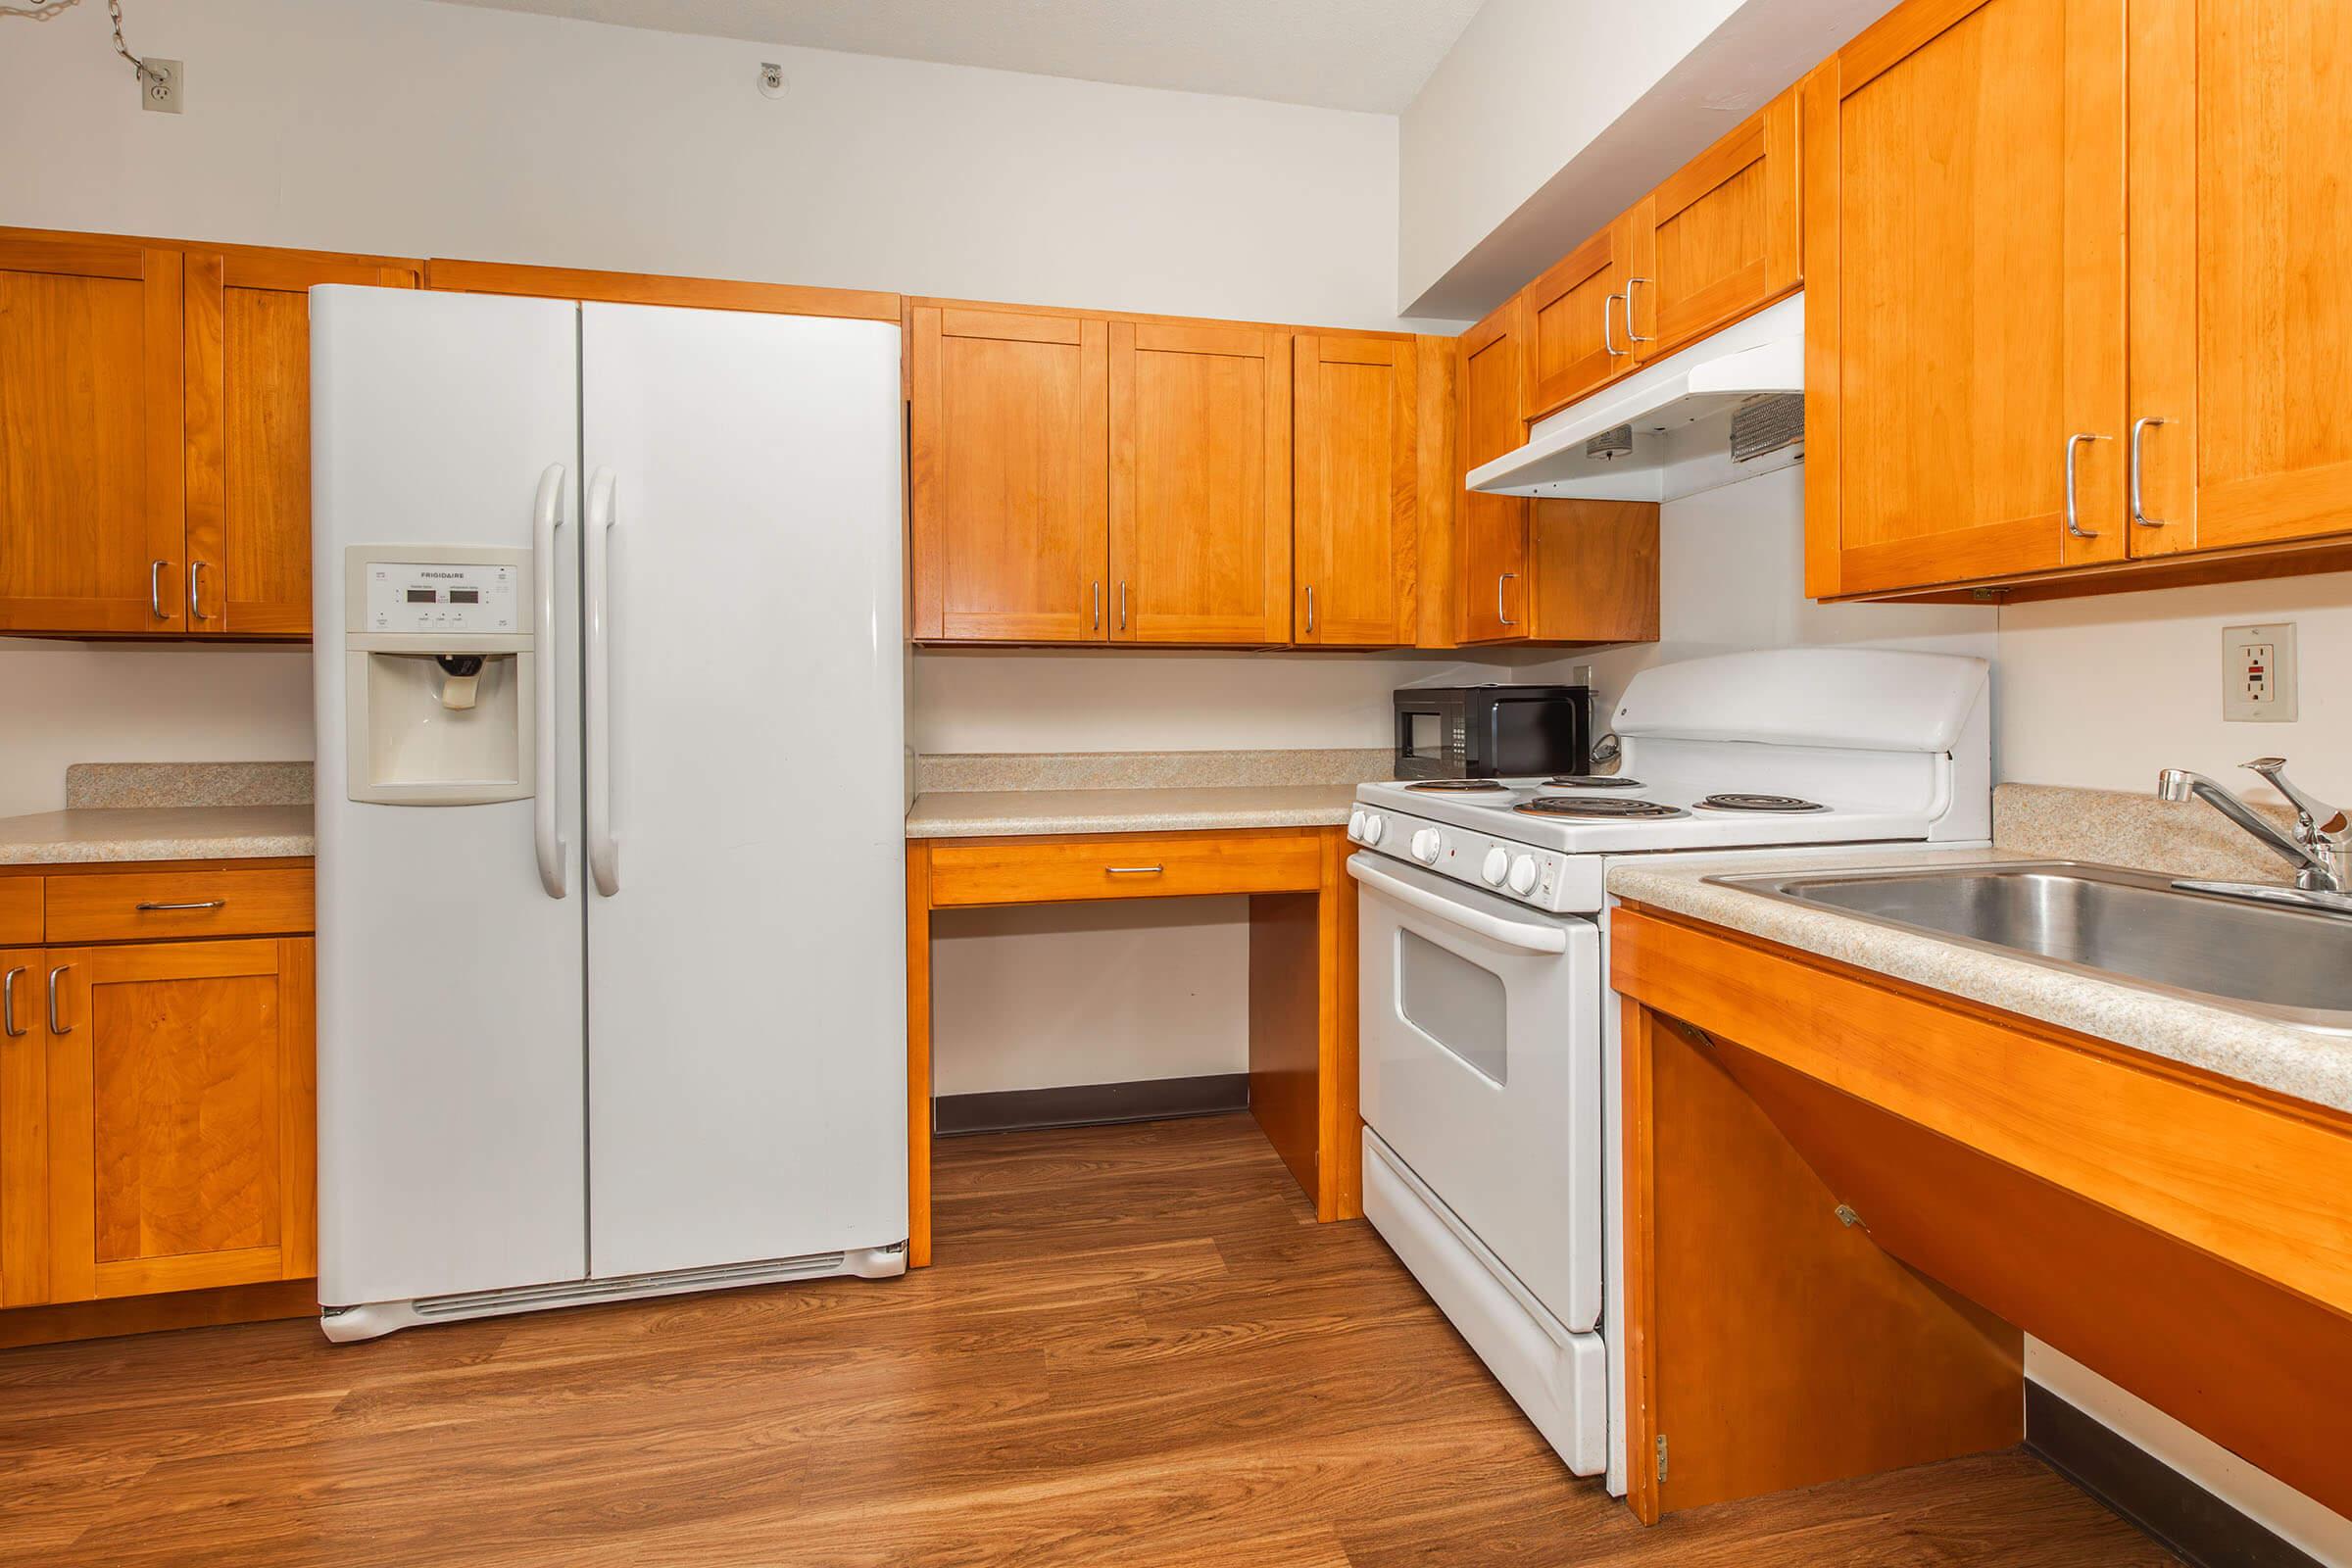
[439, 672]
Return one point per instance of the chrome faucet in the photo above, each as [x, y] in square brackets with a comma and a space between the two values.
[2317, 846]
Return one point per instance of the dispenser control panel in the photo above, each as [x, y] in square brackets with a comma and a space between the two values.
[427, 597]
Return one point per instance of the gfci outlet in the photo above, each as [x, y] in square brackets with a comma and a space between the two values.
[2258, 673]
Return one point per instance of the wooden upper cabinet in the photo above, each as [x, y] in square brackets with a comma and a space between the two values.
[1718, 239]
[1200, 483]
[1492, 601]
[181, 1103]
[2241, 270]
[90, 447]
[1007, 462]
[1964, 281]
[1573, 315]
[1355, 524]
[248, 358]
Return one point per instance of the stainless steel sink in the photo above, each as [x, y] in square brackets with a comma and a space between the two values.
[2284, 961]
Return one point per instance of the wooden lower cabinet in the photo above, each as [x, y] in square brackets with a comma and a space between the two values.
[182, 1108]
[159, 1108]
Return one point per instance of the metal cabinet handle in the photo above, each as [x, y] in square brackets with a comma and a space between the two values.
[1608, 327]
[196, 591]
[208, 904]
[8, 1005]
[1097, 603]
[155, 588]
[1122, 603]
[1498, 614]
[2140, 513]
[1133, 870]
[1310, 609]
[2074, 526]
[1631, 337]
[57, 1026]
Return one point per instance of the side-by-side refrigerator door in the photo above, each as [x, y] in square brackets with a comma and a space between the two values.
[745, 810]
[445, 549]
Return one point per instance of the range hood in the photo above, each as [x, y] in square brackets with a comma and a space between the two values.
[1666, 430]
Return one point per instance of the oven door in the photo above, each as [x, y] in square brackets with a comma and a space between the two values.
[1481, 1041]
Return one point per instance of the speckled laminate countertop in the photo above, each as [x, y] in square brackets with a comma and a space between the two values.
[88, 835]
[2317, 1067]
[983, 813]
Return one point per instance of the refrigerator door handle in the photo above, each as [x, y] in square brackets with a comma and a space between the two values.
[604, 850]
[547, 515]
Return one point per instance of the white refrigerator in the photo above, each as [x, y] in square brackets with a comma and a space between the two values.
[610, 698]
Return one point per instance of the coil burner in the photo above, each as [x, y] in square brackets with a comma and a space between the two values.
[1604, 809]
[1736, 802]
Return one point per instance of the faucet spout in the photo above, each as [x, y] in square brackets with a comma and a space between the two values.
[2310, 850]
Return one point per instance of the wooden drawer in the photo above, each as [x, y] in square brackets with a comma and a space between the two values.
[19, 909]
[1163, 867]
[131, 906]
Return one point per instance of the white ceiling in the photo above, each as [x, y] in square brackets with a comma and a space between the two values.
[1333, 54]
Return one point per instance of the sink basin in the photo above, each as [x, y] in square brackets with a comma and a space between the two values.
[2284, 962]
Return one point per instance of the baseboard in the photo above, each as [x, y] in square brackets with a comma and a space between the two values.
[2198, 1525]
[146, 1314]
[1008, 1110]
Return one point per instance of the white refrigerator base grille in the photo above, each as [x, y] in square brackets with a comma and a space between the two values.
[374, 1319]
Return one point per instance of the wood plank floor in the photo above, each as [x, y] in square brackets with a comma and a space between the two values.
[1137, 1347]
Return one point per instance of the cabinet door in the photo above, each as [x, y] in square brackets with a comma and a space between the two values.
[1964, 295]
[1007, 460]
[1574, 318]
[1491, 598]
[1353, 529]
[2241, 270]
[247, 324]
[23, 1131]
[181, 1103]
[1718, 239]
[1200, 483]
[91, 523]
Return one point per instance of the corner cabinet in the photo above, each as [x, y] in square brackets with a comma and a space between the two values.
[155, 466]
[2076, 293]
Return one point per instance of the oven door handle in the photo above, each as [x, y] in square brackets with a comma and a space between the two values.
[1527, 936]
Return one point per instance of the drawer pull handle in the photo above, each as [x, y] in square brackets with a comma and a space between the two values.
[206, 903]
[57, 1026]
[1133, 870]
[7, 1006]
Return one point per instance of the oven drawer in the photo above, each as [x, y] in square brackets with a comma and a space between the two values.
[1149, 866]
[1480, 1042]
[139, 906]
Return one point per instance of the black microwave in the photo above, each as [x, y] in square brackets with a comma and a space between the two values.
[1493, 731]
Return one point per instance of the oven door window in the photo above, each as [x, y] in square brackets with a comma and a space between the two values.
[1454, 1003]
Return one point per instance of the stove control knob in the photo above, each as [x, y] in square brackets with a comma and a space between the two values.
[1375, 824]
[1523, 875]
[1355, 824]
[1425, 846]
[1497, 863]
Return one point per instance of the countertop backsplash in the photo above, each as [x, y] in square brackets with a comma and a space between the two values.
[150, 785]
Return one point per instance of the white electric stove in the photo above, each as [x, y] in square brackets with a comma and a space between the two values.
[1489, 1035]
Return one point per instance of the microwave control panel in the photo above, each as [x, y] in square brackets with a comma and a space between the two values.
[427, 597]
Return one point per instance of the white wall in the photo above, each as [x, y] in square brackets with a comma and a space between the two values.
[1731, 576]
[1023, 699]
[417, 129]
[2104, 691]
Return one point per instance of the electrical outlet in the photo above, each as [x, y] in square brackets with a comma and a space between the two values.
[2258, 673]
[162, 85]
